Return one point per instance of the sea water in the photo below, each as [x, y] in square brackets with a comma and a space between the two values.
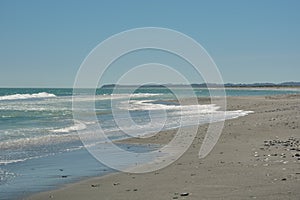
[39, 145]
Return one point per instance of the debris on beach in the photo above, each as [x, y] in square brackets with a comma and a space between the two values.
[292, 143]
[278, 152]
[184, 194]
[95, 185]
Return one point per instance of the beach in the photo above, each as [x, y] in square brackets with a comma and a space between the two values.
[256, 157]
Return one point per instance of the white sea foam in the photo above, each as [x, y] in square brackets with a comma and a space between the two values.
[34, 141]
[27, 96]
[76, 127]
[5, 175]
[144, 95]
[32, 107]
[5, 162]
[79, 98]
[178, 115]
[134, 95]
[135, 105]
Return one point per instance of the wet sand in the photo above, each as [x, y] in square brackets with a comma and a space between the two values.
[256, 157]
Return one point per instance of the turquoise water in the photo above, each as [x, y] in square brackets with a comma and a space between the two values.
[39, 145]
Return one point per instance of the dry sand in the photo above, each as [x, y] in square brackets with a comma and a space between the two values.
[257, 157]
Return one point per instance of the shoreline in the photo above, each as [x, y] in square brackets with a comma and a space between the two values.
[237, 168]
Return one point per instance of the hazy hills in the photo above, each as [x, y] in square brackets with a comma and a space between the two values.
[201, 85]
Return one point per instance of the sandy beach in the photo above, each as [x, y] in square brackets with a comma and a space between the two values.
[256, 157]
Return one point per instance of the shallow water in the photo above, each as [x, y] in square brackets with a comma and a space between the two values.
[38, 136]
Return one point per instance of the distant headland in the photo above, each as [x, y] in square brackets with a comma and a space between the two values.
[213, 85]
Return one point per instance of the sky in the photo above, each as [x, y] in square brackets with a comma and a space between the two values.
[43, 43]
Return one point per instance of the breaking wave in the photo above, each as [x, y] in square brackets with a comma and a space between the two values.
[27, 96]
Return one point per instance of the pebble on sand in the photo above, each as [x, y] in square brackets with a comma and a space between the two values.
[95, 185]
[184, 194]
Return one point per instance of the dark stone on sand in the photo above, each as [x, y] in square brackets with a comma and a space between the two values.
[61, 170]
[297, 155]
[95, 185]
[64, 176]
[184, 194]
[284, 179]
[135, 190]
[116, 184]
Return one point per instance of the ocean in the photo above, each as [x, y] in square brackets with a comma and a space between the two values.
[41, 150]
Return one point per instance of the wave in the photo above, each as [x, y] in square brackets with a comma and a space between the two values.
[76, 127]
[144, 95]
[135, 105]
[32, 107]
[168, 116]
[77, 98]
[27, 96]
[61, 135]
[5, 162]
[113, 96]
[149, 105]
[127, 95]
[36, 141]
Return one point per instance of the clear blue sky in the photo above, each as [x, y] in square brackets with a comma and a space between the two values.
[42, 43]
